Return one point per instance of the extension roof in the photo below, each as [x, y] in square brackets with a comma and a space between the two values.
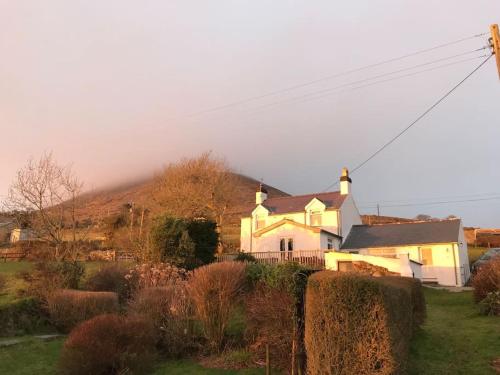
[398, 234]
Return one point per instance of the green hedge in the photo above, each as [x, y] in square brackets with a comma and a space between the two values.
[357, 324]
[23, 317]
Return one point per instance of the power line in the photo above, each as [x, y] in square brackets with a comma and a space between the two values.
[385, 145]
[398, 201]
[328, 91]
[325, 78]
[433, 203]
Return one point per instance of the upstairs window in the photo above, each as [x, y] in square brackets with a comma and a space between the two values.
[260, 222]
[315, 218]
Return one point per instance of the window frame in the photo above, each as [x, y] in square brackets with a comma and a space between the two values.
[315, 213]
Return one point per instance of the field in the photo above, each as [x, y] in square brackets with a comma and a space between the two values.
[454, 340]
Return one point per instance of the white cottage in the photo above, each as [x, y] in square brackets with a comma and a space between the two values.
[329, 226]
[304, 222]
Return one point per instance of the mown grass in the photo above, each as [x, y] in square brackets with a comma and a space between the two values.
[455, 338]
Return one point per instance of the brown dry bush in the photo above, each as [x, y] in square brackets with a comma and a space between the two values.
[214, 290]
[356, 325]
[271, 321]
[169, 311]
[487, 279]
[110, 278]
[150, 275]
[107, 345]
[70, 307]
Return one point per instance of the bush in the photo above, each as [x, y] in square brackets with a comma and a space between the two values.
[214, 290]
[356, 325]
[70, 307]
[168, 310]
[185, 243]
[271, 320]
[487, 279]
[490, 305]
[245, 257]
[49, 276]
[150, 275]
[110, 278]
[23, 317]
[414, 287]
[107, 345]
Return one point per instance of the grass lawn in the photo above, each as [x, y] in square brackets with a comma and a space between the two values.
[455, 339]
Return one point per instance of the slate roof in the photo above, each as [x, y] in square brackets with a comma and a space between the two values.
[282, 205]
[383, 235]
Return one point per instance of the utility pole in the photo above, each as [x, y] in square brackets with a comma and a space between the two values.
[495, 44]
[378, 209]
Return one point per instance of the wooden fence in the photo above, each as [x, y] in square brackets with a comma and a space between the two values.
[311, 258]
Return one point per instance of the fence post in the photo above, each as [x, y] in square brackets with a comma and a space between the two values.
[268, 364]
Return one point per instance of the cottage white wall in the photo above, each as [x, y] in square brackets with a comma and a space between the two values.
[324, 241]
[303, 239]
[245, 234]
[446, 267]
[349, 216]
[400, 265]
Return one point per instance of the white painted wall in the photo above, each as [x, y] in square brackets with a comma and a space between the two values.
[401, 265]
[446, 263]
[349, 216]
[303, 239]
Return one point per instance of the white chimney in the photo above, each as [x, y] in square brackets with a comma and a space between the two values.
[345, 182]
[260, 195]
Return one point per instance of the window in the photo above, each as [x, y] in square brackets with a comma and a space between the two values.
[260, 222]
[286, 244]
[426, 256]
[329, 244]
[315, 218]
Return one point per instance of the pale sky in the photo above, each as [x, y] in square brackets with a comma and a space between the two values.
[111, 87]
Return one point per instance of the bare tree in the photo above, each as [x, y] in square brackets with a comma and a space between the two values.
[200, 187]
[48, 193]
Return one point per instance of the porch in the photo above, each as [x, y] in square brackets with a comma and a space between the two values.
[314, 259]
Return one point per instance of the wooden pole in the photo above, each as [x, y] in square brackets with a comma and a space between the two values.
[268, 362]
[495, 44]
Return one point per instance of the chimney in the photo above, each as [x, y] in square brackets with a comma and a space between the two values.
[345, 182]
[260, 195]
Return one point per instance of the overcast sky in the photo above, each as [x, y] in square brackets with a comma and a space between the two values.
[117, 87]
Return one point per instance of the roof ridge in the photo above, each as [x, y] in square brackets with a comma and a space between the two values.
[303, 195]
[409, 222]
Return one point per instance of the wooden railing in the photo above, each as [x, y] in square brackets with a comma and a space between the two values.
[311, 258]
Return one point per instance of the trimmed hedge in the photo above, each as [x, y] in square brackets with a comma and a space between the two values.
[357, 324]
[69, 307]
[23, 317]
[109, 345]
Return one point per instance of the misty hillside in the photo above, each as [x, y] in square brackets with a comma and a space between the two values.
[110, 201]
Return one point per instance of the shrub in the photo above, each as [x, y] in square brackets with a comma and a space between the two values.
[107, 345]
[110, 278]
[414, 287]
[487, 279]
[185, 243]
[168, 310]
[70, 307]
[214, 290]
[490, 305]
[49, 276]
[356, 325]
[245, 257]
[149, 275]
[23, 317]
[271, 320]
